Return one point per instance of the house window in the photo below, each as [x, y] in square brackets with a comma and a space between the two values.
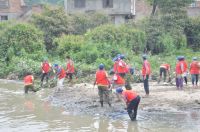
[107, 3]
[4, 4]
[79, 3]
[4, 18]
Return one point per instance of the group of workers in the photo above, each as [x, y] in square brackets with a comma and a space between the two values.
[182, 70]
[118, 80]
[60, 74]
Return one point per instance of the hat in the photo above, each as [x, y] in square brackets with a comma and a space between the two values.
[194, 58]
[144, 56]
[55, 65]
[101, 66]
[179, 57]
[119, 90]
[122, 56]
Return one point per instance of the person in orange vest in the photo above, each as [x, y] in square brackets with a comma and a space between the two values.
[194, 71]
[164, 70]
[117, 82]
[46, 67]
[70, 68]
[29, 83]
[103, 84]
[179, 73]
[60, 74]
[120, 67]
[146, 70]
[131, 99]
[185, 69]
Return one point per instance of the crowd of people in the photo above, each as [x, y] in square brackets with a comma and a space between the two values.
[117, 82]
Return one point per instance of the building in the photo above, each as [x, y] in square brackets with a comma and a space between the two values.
[119, 10]
[17, 9]
[11, 9]
[194, 9]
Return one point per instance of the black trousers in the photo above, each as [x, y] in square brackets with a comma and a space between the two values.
[146, 84]
[133, 105]
[163, 71]
[43, 76]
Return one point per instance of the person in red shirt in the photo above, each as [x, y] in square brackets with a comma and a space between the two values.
[70, 68]
[60, 74]
[146, 70]
[179, 73]
[29, 83]
[117, 82]
[120, 67]
[194, 71]
[46, 67]
[131, 99]
[103, 84]
[164, 70]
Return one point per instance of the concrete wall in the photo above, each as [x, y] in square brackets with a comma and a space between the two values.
[119, 7]
[10, 15]
[193, 12]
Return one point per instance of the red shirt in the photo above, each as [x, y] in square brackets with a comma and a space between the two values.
[120, 67]
[118, 79]
[129, 95]
[61, 73]
[166, 66]
[185, 66]
[101, 78]
[45, 67]
[146, 68]
[28, 80]
[179, 67]
[70, 66]
[194, 68]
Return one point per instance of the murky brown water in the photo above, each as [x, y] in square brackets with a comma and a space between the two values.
[19, 112]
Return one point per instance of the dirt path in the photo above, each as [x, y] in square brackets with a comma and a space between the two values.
[83, 99]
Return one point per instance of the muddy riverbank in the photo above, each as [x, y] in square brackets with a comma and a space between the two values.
[83, 99]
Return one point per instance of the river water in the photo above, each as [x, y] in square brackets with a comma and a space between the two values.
[33, 113]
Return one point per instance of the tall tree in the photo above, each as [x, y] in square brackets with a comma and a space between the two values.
[53, 22]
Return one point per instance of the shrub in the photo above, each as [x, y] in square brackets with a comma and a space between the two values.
[21, 40]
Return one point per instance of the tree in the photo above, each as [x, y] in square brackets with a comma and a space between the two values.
[192, 30]
[53, 22]
[170, 21]
[87, 21]
[21, 40]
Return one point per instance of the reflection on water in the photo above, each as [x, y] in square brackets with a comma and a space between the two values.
[19, 112]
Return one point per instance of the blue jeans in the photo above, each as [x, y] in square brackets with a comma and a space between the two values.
[195, 78]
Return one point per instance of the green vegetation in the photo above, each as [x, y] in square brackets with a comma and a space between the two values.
[92, 39]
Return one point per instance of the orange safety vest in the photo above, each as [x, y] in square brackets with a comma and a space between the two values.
[146, 68]
[45, 67]
[185, 66]
[121, 68]
[194, 68]
[119, 80]
[178, 67]
[28, 80]
[101, 78]
[129, 95]
[166, 66]
[62, 73]
[70, 67]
